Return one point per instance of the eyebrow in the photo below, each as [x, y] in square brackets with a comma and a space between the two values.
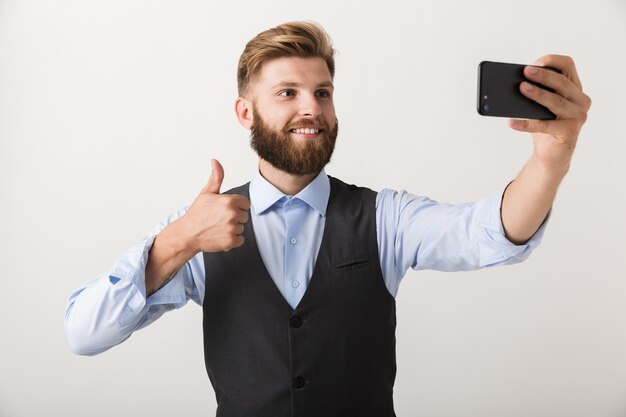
[294, 84]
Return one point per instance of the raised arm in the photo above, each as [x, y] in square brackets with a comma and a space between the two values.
[529, 197]
[108, 309]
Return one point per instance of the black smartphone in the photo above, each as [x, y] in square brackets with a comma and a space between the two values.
[499, 95]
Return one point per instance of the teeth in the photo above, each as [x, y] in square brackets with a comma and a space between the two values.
[306, 131]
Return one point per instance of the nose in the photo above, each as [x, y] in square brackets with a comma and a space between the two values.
[309, 106]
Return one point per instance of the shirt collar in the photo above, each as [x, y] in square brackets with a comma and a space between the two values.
[264, 195]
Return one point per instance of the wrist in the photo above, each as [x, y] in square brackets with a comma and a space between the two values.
[180, 240]
[549, 173]
[167, 255]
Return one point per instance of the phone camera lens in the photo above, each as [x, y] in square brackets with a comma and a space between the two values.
[486, 108]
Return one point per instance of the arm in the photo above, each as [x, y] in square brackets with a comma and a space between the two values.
[107, 310]
[528, 199]
[420, 233]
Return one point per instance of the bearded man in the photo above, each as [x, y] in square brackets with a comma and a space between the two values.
[297, 272]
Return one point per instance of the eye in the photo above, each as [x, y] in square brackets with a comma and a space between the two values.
[322, 93]
[287, 93]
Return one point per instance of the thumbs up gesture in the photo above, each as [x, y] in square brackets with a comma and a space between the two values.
[214, 222]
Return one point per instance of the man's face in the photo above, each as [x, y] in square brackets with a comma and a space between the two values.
[294, 124]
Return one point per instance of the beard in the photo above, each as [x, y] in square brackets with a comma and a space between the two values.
[294, 157]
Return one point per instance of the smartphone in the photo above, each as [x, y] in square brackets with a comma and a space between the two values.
[499, 95]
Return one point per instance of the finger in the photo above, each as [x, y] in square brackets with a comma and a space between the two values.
[558, 82]
[552, 127]
[235, 242]
[563, 63]
[234, 229]
[242, 217]
[238, 241]
[557, 104]
[242, 202]
[217, 176]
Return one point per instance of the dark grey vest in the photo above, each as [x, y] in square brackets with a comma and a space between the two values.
[334, 355]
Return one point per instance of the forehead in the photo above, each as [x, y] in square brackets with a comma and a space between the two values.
[293, 70]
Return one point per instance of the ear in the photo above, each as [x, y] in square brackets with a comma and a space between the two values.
[243, 109]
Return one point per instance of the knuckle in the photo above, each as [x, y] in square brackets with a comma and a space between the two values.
[563, 59]
[244, 203]
[231, 217]
[560, 101]
[234, 229]
[231, 201]
[221, 200]
[563, 82]
[550, 59]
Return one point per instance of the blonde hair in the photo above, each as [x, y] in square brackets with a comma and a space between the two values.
[292, 39]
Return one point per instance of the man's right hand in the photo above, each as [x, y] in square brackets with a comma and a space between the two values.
[213, 223]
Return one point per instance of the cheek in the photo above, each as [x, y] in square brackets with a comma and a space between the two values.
[279, 117]
[278, 121]
[329, 114]
[330, 119]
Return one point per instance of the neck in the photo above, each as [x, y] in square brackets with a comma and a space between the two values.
[286, 183]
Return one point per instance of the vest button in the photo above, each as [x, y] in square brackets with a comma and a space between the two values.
[295, 321]
[299, 382]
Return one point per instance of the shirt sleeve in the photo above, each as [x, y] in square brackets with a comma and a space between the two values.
[106, 310]
[420, 233]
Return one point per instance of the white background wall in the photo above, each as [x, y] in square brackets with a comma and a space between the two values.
[111, 111]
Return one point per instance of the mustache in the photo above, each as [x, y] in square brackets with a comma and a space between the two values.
[306, 122]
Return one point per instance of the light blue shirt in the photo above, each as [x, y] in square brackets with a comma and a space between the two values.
[412, 232]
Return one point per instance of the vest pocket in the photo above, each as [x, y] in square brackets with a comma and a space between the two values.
[351, 264]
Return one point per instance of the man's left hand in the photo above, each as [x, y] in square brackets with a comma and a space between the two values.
[555, 140]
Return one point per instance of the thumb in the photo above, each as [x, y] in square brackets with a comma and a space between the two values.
[217, 176]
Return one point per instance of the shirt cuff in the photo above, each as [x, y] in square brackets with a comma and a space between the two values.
[131, 268]
[500, 250]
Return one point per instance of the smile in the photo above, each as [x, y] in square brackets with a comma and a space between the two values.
[306, 131]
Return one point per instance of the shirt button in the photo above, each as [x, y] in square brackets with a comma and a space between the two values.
[293, 241]
[299, 382]
[295, 321]
[295, 284]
